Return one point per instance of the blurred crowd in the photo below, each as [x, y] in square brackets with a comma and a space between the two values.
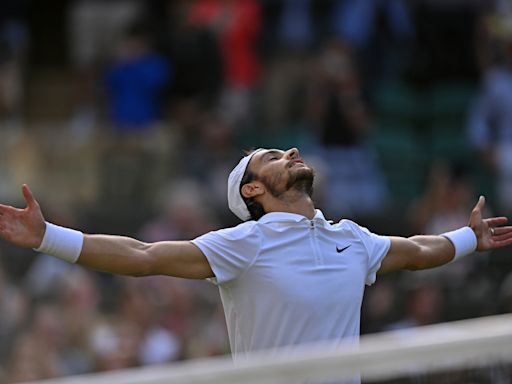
[404, 109]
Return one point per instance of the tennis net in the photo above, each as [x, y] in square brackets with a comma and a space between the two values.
[469, 351]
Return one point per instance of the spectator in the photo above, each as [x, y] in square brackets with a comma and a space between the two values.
[356, 21]
[135, 83]
[14, 307]
[197, 60]
[449, 192]
[182, 214]
[81, 294]
[237, 26]
[424, 306]
[341, 121]
[95, 29]
[115, 343]
[284, 87]
[490, 119]
[14, 47]
[375, 29]
[210, 155]
[36, 353]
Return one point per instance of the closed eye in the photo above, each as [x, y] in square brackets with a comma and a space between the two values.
[272, 156]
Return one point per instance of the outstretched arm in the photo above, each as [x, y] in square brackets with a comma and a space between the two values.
[114, 254]
[423, 252]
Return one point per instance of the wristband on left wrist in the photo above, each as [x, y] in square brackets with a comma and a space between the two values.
[61, 242]
[464, 241]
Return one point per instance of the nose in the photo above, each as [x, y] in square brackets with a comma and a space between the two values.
[292, 153]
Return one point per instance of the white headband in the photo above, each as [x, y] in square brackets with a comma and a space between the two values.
[235, 201]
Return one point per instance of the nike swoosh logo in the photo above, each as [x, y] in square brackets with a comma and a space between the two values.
[339, 250]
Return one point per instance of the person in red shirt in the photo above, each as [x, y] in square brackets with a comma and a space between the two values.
[237, 25]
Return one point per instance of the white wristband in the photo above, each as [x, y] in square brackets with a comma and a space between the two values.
[463, 239]
[64, 243]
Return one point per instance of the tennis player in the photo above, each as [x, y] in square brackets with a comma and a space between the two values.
[287, 276]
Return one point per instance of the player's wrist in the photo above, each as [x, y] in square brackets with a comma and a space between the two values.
[61, 242]
[464, 241]
[38, 241]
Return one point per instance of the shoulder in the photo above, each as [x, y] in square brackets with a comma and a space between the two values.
[362, 233]
[349, 225]
[241, 231]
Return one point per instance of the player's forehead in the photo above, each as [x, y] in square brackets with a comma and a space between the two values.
[259, 157]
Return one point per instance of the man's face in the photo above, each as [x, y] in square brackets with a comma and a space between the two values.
[281, 171]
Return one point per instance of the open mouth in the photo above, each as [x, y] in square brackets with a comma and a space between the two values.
[296, 162]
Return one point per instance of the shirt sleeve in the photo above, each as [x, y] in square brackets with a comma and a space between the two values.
[230, 251]
[377, 247]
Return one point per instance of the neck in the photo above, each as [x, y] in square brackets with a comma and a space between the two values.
[298, 203]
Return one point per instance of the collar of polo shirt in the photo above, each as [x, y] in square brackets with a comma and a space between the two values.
[274, 217]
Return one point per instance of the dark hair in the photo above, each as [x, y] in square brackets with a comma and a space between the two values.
[255, 209]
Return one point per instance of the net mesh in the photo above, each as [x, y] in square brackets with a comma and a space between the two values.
[470, 352]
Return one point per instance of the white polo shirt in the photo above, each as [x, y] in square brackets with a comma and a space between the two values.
[286, 280]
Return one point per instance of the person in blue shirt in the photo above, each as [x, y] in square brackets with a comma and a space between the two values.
[135, 83]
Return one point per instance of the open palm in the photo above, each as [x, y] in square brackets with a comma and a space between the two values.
[22, 227]
[490, 233]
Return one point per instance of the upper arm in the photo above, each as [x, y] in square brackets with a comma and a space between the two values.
[401, 255]
[222, 254]
[179, 259]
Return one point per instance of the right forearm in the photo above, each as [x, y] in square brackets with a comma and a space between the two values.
[115, 254]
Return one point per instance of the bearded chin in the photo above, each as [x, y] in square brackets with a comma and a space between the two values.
[302, 181]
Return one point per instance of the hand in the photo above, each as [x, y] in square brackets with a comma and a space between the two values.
[23, 227]
[490, 233]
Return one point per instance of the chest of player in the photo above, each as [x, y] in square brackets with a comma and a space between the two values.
[309, 264]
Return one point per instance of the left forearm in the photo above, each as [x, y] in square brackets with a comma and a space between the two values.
[417, 252]
[422, 252]
[433, 251]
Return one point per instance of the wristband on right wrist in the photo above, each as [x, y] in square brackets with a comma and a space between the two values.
[464, 240]
[64, 243]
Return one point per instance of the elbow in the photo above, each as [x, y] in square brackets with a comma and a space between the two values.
[419, 260]
[143, 267]
[426, 259]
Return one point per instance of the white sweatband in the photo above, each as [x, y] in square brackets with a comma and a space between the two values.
[464, 240]
[64, 243]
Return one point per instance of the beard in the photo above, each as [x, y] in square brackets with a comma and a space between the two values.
[299, 180]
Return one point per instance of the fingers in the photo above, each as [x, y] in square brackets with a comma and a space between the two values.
[27, 195]
[499, 231]
[475, 219]
[480, 204]
[496, 221]
[503, 243]
[499, 238]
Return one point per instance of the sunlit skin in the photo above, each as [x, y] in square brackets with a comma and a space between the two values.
[274, 169]
[283, 185]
